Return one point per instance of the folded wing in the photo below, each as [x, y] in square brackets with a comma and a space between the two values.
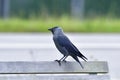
[65, 42]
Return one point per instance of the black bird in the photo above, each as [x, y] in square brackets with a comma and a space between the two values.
[65, 46]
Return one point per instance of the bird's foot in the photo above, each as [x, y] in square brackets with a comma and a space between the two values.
[64, 61]
[59, 62]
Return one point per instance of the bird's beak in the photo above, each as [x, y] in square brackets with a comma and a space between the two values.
[50, 29]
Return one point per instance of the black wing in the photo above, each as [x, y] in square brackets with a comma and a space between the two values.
[65, 42]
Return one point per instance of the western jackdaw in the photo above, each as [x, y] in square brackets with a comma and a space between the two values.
[65, 46]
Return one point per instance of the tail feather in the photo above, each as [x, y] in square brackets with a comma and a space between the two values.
[76, 58]
[82, 56]
[84, 59]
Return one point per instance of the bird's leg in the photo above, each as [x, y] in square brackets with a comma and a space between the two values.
[60, 60]
[64, 59]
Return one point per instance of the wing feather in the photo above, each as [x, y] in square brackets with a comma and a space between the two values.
[65, 42]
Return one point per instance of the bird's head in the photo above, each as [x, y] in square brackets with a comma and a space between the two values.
[56, 28]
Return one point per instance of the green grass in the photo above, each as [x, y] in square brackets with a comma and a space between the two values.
[69, 25]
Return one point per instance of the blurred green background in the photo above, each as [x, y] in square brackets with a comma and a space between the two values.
[71, 15]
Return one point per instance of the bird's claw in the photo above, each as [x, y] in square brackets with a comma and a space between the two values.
[59, 62]
[64, 61]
